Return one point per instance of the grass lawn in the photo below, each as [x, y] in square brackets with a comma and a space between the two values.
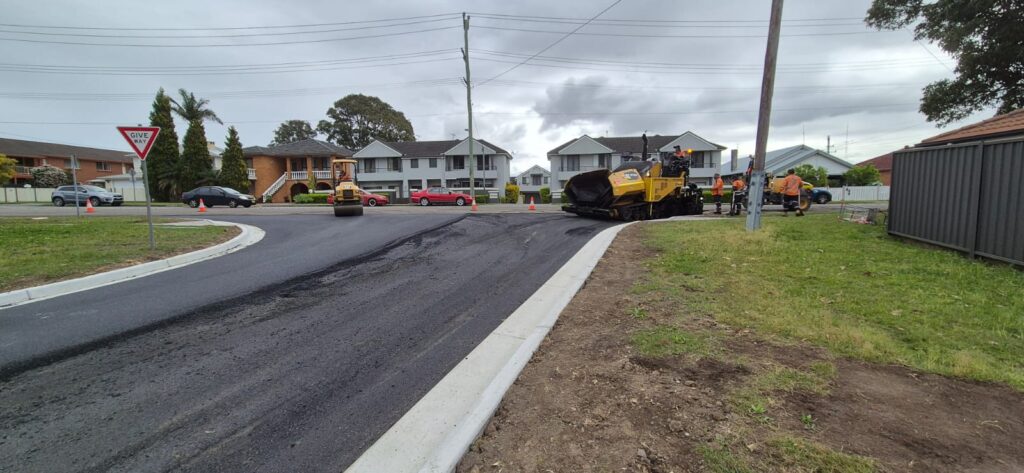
[850, 288]
[47, 250]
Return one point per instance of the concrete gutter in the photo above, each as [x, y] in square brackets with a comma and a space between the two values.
[439, 429]
[249, 235]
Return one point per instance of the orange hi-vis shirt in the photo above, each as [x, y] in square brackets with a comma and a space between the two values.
[717, 188]
[792, 184]
[738, 185]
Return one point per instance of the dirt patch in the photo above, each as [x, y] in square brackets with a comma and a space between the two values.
[589, 401]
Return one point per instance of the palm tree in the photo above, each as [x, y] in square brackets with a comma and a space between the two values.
[192, 108]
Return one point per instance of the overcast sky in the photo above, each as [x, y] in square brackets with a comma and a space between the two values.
[680, 65]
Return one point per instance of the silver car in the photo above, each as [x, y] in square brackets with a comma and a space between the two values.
[64, 195]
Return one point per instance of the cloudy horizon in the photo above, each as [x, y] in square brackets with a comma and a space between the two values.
[661, 67]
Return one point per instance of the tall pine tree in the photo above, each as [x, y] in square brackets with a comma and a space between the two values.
[163, 157]
[232, 171]
[196, 164]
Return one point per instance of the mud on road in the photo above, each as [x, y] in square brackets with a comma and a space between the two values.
[300, 377]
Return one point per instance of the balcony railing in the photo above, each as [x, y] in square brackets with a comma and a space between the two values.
[322, 174]
[22, 169]
[580, 168]
[252, 174]
[298, 176]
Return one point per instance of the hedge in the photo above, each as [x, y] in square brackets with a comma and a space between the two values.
[545, 195]
[726, 196]
[310, 199]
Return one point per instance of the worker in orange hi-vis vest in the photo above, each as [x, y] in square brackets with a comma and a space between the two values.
[739, 194]
[716, 193]
[791, 192]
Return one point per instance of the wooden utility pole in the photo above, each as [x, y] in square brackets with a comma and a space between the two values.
[469, 104]
[764, 118]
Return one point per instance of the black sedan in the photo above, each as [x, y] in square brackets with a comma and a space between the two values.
[216, 195]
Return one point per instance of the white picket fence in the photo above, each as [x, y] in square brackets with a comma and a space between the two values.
[859, 193]
[15, 195]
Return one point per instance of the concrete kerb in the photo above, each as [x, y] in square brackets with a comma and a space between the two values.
[434, 435]
[249, 235]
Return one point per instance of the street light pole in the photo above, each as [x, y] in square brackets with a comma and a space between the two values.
[764, 119]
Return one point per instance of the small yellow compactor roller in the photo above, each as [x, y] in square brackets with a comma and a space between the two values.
[636, 190]
[347, 201]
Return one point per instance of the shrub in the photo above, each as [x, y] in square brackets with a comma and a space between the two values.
[545, 195]
[310, 199]
[483, 198]
[49, 176]
[511, 193]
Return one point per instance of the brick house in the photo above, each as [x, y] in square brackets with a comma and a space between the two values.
[883, 164]
[278, 173]
[94, 164]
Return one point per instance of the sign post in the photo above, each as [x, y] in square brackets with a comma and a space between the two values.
[74, 177]
[141, 139]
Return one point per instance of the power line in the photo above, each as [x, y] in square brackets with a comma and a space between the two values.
[898, 61]
[559, 40]
[638, 35]
[242, 35]
[216, 45]
[641, 24]
[227, 72]
[308, 25]
[665, 21]
[576, 66]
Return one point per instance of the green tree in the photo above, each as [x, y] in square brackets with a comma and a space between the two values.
[49, 176]
[356, 120]
[233, 172]
[163, 157]
[985, 37]
[292, 131]
[818, 176]
[6, 168]
[862, 176]
[196, 165]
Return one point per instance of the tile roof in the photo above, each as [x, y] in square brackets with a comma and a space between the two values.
[1007, 123]
[630, 144]
[28, 149]
[881, 163]
[434, 148]
[310, 147]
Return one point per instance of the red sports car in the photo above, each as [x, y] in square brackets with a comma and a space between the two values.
[372, 200]
[439, 195]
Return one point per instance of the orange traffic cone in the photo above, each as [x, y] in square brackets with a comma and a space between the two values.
[88, 206]
[474, 204]
[202, 206]
[532, 206]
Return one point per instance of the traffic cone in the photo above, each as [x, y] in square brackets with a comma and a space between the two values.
[474, 204]
[89, 209]
[202, 206]
[532, 206]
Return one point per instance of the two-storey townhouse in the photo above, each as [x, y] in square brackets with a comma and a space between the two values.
[587, 154]
[531, 181]
[94, 164]
[400, 168]
[280, 172]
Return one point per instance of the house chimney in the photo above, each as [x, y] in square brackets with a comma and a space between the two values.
[734, 159]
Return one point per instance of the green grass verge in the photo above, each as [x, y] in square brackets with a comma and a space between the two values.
[850, 288]
[669, 341]
[719, 459]
[797, 455]
[47, 250]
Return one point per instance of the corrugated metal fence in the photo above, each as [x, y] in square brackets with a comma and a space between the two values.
[969, 197]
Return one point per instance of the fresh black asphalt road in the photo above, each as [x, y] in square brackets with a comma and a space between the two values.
[300, 376]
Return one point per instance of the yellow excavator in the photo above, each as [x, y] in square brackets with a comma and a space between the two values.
[347, 201]
[636, 190]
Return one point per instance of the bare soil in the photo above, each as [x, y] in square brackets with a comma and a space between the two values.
[587, 401]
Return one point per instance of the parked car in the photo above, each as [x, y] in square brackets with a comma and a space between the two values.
[821, 196]
[439, 195]
[372, 200]
[216, 195]
[96, 195]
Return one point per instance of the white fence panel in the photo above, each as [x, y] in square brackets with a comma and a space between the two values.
[859, 193]
[14, 195]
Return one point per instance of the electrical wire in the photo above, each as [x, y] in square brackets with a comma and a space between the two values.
[228, 28]
[731, 36]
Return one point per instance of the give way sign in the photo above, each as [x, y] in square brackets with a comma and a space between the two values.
[140, 138]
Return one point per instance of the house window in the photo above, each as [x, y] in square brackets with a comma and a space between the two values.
[395, 164]
[536, 179]
[369, 165]
[102, 166]
[433, 162]
[546, 178]
[320, 164]
[248, 163]
[71, 163]
[698, 160]
[604, 161]
[571, 163]
[485, 163]
[414, 163]
[458, 162]
[299, 164]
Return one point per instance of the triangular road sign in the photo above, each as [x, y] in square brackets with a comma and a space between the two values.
[140, 138]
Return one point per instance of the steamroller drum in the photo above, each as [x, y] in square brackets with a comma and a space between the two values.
[348, 210]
